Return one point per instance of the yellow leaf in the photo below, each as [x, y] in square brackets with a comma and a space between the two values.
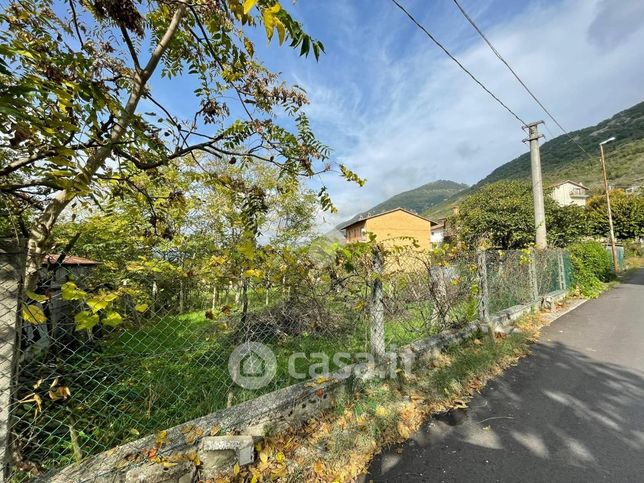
[281, 30]
[251, 51]
[280, 457]
[162, 437]
[141, 307]
[248, 6]
[381, 412]
[61, 392]
[236, 469]
[36, 297]
[318, 467]
[253, 273]
[100, 301]
[112, 319]
[270, 20]
[263, 456]
[403, 431]
[70, 291]
[85, 320]
[33, 314]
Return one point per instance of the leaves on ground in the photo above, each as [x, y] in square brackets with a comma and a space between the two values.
[338, 445]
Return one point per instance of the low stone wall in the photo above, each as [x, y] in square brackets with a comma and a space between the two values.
[198, 449]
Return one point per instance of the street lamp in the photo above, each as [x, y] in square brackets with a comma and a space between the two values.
[610, 214]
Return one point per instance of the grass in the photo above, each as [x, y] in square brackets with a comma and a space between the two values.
[147, 378]
[339, 444]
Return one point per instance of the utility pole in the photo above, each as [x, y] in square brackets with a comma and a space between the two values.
[613, 248]
[537, 184]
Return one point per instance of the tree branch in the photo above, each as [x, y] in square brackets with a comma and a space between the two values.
[41, 230]
[130, 47]
[75, 19]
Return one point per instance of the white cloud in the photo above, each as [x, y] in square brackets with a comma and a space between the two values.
[401, 114]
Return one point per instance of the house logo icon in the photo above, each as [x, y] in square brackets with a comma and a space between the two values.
[252, 365]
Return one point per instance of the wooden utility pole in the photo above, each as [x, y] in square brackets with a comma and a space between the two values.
[613, 248]
[537, 184]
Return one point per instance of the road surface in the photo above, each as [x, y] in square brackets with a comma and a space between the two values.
[571, 411]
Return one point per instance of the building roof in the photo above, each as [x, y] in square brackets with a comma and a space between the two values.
[568, 181]
[52, 258]
[438, 226]
[369, 216]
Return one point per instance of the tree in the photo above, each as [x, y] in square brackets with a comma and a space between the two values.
[627, 211]
[501, 215]
[75, 74]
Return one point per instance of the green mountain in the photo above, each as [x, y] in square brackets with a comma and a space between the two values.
[562, 159]
[418, 200]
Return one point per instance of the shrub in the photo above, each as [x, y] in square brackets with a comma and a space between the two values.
[592, 266]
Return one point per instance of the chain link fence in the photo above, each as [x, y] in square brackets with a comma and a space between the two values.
[104, 356]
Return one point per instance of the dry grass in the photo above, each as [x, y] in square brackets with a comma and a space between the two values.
[338, 445]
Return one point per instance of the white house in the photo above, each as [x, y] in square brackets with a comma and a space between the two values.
[568, 193]
[438, 232]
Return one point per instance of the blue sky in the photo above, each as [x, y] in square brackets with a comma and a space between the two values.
[396, 110]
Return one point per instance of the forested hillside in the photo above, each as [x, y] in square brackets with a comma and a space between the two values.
[562, 159]
[418, 199]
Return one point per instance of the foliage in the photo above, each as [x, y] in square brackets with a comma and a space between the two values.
[381, 413]
[561, 159]
[75, 79]
[592, 266]
[627, 211]
[501, 215]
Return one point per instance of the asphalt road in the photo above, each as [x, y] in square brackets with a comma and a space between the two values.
[571, 411]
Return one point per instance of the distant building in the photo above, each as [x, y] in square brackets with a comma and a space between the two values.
[568, 193]
[70, 268]
[438, 232]
[399, 226]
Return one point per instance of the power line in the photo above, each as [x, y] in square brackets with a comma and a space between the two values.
[496, 52]
[433, 39]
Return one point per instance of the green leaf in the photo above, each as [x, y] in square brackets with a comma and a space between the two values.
[33, 314]
[70, 291]
[85, 320]
[36, 297]
[112, 319]
[248, 6]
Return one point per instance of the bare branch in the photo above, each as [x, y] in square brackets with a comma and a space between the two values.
[75, 20]
[130, 47]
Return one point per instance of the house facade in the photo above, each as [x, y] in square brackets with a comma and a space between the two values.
[568, 193]
[439, 231]
[399, 227]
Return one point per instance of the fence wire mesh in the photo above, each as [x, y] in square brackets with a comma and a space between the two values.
[105, 356]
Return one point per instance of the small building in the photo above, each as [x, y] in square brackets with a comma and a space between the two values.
[438, 232]
[69, 267]
[398, 226]
[568, 193]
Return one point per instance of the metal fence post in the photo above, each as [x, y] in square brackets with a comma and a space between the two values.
[483, 294]
[376, 306]
[532, 273]
[11, 259]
